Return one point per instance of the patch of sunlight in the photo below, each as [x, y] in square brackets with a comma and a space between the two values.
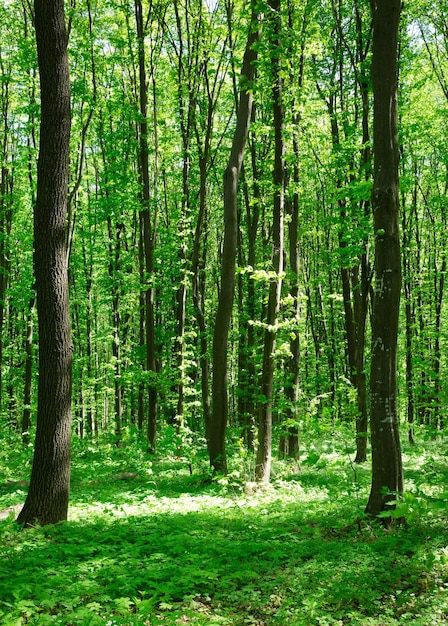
[149, 505]
[431, 490]
[136, 505]
[415, 461]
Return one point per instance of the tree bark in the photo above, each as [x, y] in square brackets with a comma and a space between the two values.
[264, 451]
[114, 268]
[48, 494]
[147, 241]
[6, 186]
[197, 267]
[387, 471]
[27, 383]
[289, 441]
[360, 279]
[219, 416]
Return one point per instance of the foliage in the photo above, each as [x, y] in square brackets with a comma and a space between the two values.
[148, 543]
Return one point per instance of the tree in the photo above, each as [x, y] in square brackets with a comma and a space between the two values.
[264, 452]
[217, 435]
[289, 441]
[48, 495]
[387, 471]
[148, 229]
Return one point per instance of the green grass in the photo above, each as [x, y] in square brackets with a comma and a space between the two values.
[146, 543]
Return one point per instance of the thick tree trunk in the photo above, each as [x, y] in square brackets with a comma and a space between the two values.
[217, 439]
[48, 495]
[387, 471]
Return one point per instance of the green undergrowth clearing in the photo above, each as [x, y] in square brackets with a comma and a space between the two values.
[149, 543]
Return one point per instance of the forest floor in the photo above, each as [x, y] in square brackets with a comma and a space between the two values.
[149, 543]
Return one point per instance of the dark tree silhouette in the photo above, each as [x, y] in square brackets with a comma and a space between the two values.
[48, 495]
[387, 471]
[217, 433]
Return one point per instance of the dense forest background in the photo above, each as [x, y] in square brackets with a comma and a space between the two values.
[155, 90]
[223, 241]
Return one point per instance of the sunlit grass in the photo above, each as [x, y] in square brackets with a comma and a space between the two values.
[147, 543]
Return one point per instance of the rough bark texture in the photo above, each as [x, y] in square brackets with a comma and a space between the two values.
[216, 443]
[48, 495]
[387, 473]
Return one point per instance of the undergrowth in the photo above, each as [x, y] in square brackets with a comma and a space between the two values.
[149, 542]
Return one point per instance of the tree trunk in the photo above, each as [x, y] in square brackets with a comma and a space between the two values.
[289, 442]
[48, 494]
[114, 268]
[198, 278]
[27, 384]
[217, 440]
[6, 184]
[407, 286]
[264, 452]
[360, 278]
[147, 240]
[387, 471]
[247, 366]
[88, 270]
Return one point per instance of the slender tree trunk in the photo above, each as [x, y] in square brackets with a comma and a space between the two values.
[289, 442]
[420, 391]
[4, 211]
[291, 439]
[187, 104]
[217, 440]
[439, 286]
[28, 379]
[387, 471]
[88, 269]
[48, 494]
[197, 270]
[407, 286]
[360, 279]
[147, 239]
[200, 248]
[247, 369]
[264, 452]
[6, 183]
[360, 284]
[247, 378]
[114, 266]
